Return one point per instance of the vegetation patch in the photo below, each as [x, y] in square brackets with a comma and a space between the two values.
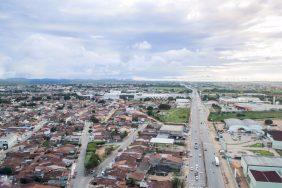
[256, 145]
[262, 152]
[174, 115]
[246, 115]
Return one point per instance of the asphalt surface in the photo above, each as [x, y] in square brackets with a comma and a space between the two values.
[83, 180]
[80, 170]
[209, 175]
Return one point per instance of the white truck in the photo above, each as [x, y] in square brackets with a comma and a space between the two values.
[216, 161]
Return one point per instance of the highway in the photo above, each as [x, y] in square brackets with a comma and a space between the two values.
[209, 175]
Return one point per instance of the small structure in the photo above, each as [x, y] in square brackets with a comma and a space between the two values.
[276, 138]
[162, 141]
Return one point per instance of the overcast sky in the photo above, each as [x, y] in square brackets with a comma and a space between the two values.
[193, 40]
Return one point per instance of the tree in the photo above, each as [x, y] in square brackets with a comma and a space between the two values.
[150, 112]
[94, 119]
[6, 170]
[123, 134]
[268, 122]
[93, 161]
[177, 183]
[164, 106]
[150, 108]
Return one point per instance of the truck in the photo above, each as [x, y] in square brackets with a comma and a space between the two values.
[216, 161]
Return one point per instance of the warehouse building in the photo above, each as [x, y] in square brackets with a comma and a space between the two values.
[276, 139]
[233, 125]
[174, 131]
[262, 171]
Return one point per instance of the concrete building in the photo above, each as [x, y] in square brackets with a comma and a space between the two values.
[176, 131]
[262, 171]
[182, 103]
[261, 163]
[262, 179]
[233, 125]
[276, 139]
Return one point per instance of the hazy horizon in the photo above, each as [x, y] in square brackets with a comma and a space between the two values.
[183, 40]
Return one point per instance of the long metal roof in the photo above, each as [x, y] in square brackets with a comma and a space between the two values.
[252, 160]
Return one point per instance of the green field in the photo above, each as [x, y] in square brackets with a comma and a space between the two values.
[246, 115]
[262, 152]
[177, 89]
[174, 115]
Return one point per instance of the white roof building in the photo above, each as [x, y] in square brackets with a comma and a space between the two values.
[234, 125]
[161, 141]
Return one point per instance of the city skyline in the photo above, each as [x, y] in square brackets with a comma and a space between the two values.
[142, 40]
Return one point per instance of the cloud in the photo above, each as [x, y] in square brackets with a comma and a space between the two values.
[142, 45]
[142, 39]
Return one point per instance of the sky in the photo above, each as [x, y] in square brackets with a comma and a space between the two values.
[191, 40]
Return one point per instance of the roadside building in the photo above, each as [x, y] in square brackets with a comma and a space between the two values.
[182, 103]
[162, 142]
[234, 125]
[262, 171]
[261, 179]
[276, 139]
[261, 163]
[176, 131]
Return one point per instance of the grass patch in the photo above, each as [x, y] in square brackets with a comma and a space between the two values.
[262, 152]
[174, 115]
[246, 115]
[257, 145]
[165, 89]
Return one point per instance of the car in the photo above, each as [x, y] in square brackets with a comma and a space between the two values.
[191, 168]
[196, 178]
[200, 155]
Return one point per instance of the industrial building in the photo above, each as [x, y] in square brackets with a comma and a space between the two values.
[276, 139]
[175, 131]
[233, 125]
[261, 171]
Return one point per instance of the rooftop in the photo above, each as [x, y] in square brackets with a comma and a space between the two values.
[266, 176]
[177, 128]
[162, 141]
[276, 135]
[252, 160]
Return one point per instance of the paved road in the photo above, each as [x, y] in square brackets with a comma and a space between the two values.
[209, 175]
[82, 180]
[80, 170]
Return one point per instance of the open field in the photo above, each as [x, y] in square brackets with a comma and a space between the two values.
[177, 89]
[246, 115]
[175, 115]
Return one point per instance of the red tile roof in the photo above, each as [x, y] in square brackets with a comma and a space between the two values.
[266, 176]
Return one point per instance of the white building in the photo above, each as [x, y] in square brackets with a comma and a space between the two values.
[182, 103]
[233, 125]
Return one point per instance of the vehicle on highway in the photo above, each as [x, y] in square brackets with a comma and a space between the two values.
[216, 161]
[191, 168]
[196, 178]
[200, 155]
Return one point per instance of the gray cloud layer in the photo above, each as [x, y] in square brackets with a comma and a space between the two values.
[142, 39]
